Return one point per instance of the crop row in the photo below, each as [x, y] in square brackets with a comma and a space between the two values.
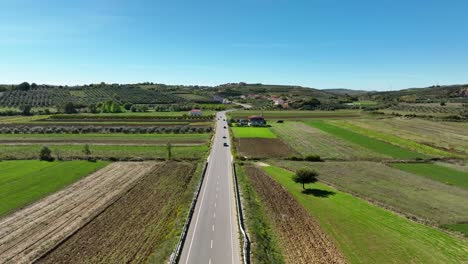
[97, 129]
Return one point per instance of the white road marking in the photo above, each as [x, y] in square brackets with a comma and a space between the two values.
[216, 196]
[214, 215]
[212, 228]
[209, 261]
[215, 204]
[211, 243]
[198, 215]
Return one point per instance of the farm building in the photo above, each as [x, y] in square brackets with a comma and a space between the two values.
[195, 112]
[256, 121]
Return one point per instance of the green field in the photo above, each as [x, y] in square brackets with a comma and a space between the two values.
[438, 173]
[104, 151]
[309, 140]
[23, 182]
[252, 132]
[114, 136]
[394, 140]
[296, 114]
[367, 142]
[368, 234]
[404, 192]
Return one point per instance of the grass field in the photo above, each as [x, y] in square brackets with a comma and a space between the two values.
[367, 142]
[395, 140]
[252, 132]
[296, 114]
[449, 136]
[438, 173]
[25, 181]
[309, 140]
[368, 234]
[104, 151]
[156, 138]
[406, 193]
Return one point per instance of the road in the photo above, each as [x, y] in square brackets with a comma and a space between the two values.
[213, 235]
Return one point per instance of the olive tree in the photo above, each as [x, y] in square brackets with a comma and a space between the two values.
[304, 176]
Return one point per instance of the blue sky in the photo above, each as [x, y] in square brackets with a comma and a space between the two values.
[359, 44]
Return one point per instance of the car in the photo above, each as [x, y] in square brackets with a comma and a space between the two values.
[225, 144]
[224, 119]
[224, 136]
[224, 127]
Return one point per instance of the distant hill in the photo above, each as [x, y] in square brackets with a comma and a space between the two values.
[457, 92]
[344, 91]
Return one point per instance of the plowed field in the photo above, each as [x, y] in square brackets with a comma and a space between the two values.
[135, 226]
[301, 237]
[263, 148]
[29, 233]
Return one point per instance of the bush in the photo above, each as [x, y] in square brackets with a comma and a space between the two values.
[45, 154]
[312, 158]
[295, 158]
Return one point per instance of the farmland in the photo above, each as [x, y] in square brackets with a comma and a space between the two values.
[351, 222]
[367, 142]
[252, 132]
[27, 240]
[309, 140]
[119, 152]
[404, 192]
[140, 226]
[295, 227]
[297, 115]
[25, 181]
[438, 173]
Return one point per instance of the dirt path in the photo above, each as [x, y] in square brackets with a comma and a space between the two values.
[300, 236]
[29, 233]
[134, 227]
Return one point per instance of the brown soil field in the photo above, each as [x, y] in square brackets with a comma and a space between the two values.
[135, 226]
[263, 148]
[31, 232]
[300, 236]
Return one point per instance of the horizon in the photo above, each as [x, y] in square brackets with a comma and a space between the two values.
[383, 46]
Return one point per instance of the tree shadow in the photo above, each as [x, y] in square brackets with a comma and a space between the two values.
[318, 193]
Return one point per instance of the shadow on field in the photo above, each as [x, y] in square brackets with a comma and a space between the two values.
[318, 193]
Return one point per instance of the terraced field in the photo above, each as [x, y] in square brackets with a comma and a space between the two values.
[309, 140]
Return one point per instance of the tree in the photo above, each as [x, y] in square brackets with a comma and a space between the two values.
[69, 108]
[169, 151]
[86, 150]
[24, 86]
[45, 154]
[304, 176]
[25, 110]
[93, 108]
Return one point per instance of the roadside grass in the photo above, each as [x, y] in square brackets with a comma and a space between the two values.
[368, 234]
[252, 132]
[434, 172]
[202, 137]
[104, 151]
[408, 194]
[459, 227]
[265, 247]
[395, 140]
[308, 140]
[25, 181]
[365, 141]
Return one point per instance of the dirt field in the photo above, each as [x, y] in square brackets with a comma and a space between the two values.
[29, 233]
[135, 226]
[263, 148]
[301, 237]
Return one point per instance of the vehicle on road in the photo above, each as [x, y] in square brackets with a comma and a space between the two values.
[225, 144]
[224, 127]
[224, 136]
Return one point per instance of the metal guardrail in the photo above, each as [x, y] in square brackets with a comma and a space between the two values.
[246, 248]
[176, 255]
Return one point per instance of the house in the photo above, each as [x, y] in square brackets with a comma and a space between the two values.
[242, 122]
[195, 112]
[256, 121]
[221, 99]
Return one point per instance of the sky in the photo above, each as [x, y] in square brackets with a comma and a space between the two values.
[359, 44]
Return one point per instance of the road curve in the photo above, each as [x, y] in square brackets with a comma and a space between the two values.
[213, 235]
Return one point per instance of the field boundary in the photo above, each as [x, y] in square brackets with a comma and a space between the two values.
[178, 250]
[240, 215]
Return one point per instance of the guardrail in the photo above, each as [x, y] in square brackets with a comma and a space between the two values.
[176, 255]
[246, 247]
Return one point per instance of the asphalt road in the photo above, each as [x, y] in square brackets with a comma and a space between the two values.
[213, 235]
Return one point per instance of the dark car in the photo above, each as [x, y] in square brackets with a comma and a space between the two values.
[225, 144]
[224, 127]
[224, 136]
